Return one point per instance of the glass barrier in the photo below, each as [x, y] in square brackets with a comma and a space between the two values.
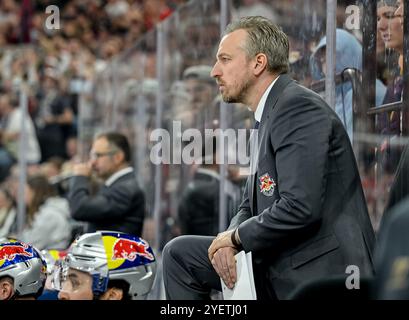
[95, 111]
[161, 91]
[19, 148]
[187, 50]
[381, 135]
[189, 148]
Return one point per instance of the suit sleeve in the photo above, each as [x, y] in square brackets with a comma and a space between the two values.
[299, 135]
[244, 212]
[106, 204]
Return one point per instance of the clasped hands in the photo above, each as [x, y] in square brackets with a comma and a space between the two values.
[221, 254]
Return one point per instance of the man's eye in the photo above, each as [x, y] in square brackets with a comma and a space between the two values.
[75, 283]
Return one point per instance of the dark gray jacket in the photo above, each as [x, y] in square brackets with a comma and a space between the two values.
[309, 219]
[119, 207]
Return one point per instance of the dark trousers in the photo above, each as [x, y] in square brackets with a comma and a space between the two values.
[189, 275]
[187, 271]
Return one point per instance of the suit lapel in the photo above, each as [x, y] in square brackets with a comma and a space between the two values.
[253, 167]
[272, 99]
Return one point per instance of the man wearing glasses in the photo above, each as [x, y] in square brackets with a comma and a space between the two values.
[119, 204]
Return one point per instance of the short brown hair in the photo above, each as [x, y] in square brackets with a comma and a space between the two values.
[264, 37]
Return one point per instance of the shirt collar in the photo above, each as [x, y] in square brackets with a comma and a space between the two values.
[260, 107]
[208, 172]
[117, 175]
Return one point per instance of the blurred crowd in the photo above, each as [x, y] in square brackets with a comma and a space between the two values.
[57, 65]
[60, 64]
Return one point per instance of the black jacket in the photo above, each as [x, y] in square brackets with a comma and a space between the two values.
[119, 207]
[198, 210]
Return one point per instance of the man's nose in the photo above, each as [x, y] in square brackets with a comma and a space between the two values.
[62, 295]
[92, 161]
[215, 71]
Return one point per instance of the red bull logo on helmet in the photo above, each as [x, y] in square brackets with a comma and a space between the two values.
[9, 251]
[129, 250]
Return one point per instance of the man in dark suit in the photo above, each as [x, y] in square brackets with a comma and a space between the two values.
[120, 204]
[303, 214]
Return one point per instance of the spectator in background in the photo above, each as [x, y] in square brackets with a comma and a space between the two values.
[392, 251]
[388, 123]
[7, 213]
[155, 11]
[116, 8]
[255, 8]
[52, 167]
[71, 148]
[135, 26]
[390, 40]
[120, 203]
[399, 190]
[202, 90]
[6, 161]
[9, 18]
[348, 55]
[55, 119]
[10, 126]
[48, 225]
[385, 58]
[199, 203]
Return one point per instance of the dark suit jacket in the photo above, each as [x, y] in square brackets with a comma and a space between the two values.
[199, 204]
[392, 255]
[314, 222]
[119, 207]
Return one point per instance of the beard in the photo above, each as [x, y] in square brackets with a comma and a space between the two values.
[240, 96]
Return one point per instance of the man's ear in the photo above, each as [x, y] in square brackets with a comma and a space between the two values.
[113, 294]
[260, 63]
[6, 289]
[120, 156]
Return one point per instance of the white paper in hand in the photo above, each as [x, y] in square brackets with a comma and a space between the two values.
[244, 288]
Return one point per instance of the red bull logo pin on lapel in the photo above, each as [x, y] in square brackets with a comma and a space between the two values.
[267, 185]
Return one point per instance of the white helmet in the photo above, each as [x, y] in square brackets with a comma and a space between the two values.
[109, 255]
[25, 265]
